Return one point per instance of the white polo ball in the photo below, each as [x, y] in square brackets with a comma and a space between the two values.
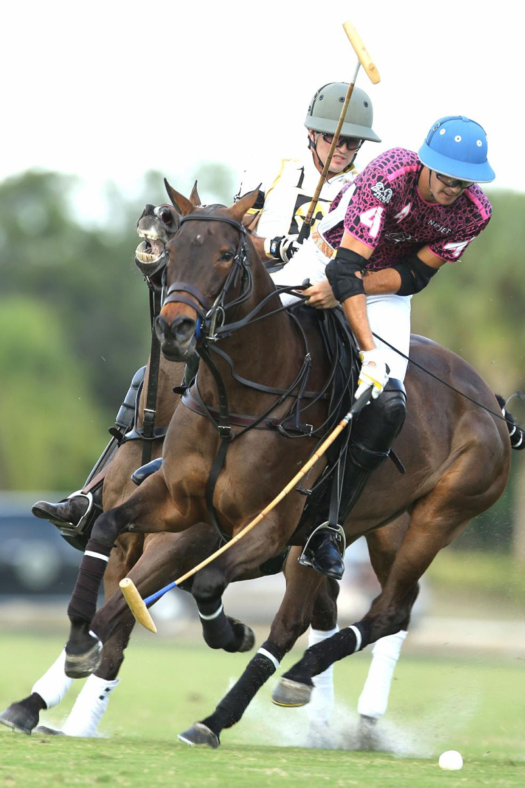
[451, 760]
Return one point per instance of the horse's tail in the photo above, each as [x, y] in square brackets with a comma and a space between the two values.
[516, 433]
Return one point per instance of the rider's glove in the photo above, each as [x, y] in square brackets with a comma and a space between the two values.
[282, 248]
[374, 372]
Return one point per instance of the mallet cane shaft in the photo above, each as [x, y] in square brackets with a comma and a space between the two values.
[363, 59]
[138, 606]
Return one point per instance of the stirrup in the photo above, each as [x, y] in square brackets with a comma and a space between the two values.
[305, 559]
[69, 529]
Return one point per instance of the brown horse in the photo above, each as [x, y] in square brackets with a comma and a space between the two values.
[151, 560]
[456, 454]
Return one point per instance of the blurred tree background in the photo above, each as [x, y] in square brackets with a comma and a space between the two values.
[74, 322]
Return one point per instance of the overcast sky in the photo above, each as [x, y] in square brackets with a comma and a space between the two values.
[109, 89]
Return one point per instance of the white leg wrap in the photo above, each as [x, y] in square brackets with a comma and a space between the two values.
[322, 702]
[89, 707]
[54, 683]
[373, 701]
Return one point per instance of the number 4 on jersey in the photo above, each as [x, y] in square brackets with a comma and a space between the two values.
[372, 219]
[457, 248]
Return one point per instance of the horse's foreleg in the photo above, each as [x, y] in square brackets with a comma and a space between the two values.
[241, 561]
[47, 692]
[83, 650]
[292, 620]
[218, 629]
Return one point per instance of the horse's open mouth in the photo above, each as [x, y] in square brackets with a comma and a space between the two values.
[150, 250]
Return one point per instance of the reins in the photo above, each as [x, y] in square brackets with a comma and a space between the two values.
[444, 382]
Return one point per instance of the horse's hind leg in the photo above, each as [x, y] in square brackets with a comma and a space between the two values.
[323, 626]
[436, 520]
[383, 545]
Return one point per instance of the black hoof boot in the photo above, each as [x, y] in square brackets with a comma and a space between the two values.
[199, 735]
[83, 652]
[24, 715]
[244, 636]
[68, 512]
[324, 551]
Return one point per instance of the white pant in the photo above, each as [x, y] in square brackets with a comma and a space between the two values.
[388, 315]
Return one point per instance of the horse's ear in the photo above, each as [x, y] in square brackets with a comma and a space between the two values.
[179, 202]
[194, 196]
[243, 205]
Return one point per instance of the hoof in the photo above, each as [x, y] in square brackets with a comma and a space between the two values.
[44, 730]
[244, 636]
[19, 718]
[78, 666]
[367, 736]
[291, 693]
[199, 735]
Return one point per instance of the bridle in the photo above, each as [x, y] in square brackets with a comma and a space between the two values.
[211, 317]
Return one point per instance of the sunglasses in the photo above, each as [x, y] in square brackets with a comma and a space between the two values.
[351, 142]
[452, 183]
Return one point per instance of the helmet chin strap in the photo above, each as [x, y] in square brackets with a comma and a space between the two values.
[313, 148]
[429, 186]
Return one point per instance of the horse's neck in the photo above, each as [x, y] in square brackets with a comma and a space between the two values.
[267, 351]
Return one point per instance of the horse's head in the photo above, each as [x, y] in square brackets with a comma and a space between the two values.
[208, 271]
[157, 225]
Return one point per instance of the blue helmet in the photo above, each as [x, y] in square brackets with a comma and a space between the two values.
[457, 146]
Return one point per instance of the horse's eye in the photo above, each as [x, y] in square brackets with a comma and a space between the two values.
[226, 257]
[167, 217]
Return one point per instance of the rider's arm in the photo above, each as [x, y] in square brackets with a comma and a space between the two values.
[354, 308]
[383, 282]
[390, 280]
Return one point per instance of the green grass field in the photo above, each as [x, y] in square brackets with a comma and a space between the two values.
[472, 705]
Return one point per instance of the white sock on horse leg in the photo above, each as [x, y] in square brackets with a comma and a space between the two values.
[373, 701]
[54, 683]
[89, 707]
[322, 701]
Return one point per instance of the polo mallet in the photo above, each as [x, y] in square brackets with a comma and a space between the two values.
[363, 59]
[139, 606]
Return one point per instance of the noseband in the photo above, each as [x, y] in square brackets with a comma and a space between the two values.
[211, 314]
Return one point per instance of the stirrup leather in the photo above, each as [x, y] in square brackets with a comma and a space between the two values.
[68, 529]
[305, 559]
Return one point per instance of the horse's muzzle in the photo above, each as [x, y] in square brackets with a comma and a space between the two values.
[177, 338]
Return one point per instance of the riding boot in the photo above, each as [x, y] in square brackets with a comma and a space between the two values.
[74, 516]
[375, 430]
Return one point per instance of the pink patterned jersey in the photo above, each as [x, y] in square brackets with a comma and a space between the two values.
[387, 213]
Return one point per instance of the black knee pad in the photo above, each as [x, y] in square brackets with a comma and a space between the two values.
[391, 405]
[378, 425]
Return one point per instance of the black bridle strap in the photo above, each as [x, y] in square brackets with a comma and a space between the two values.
[150, 409]
[186, 287]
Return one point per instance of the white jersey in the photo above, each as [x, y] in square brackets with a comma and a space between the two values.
[285, 197]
